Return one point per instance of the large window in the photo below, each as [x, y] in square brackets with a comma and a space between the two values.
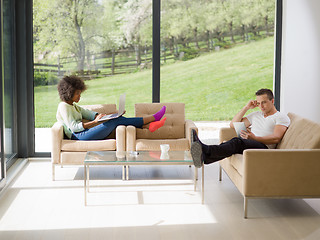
[108, 43]
[216, 54]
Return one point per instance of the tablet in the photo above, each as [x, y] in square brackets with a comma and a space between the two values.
[239, 126]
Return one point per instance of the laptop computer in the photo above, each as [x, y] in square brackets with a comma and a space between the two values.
[122, 102]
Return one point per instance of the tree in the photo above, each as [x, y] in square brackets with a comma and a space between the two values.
[43, 28]
[215, 19]
[267, 11]
[110, 23]
[66, 26]
[231, 15]
[135, 17]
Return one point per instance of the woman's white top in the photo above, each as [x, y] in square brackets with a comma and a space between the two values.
[70, 116]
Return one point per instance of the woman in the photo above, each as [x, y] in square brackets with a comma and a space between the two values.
[70, 114]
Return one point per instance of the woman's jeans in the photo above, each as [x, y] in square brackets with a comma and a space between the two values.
[213, 153]
[103, 130]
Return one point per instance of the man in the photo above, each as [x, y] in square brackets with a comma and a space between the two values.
[265, 129]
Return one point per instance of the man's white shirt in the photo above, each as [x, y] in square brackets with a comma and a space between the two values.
[263, 126]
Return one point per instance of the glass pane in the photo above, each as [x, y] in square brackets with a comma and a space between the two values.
[106, 42]
[216, 54]
[8, 102]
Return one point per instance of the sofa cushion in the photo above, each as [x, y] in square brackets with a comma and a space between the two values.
[301, 134]
[154, 145]
[84, 146]
[236, 160]
[174, 126]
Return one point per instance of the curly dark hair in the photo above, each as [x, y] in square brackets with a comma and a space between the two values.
[263, 91]
[68, 85]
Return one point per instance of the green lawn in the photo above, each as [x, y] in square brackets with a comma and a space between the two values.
[213, 86]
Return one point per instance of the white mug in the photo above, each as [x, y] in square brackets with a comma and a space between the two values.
[164, 148]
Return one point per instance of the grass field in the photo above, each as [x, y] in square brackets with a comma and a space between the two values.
[214, 86]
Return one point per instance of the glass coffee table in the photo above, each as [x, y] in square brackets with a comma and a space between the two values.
[132, 158]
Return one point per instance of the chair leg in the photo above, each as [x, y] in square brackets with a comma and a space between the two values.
[220, 173]
[245, 207]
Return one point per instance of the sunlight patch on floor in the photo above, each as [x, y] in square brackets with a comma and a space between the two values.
[64, 209]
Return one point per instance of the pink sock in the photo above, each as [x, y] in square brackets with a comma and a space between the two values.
[159, 115]
[156, 125]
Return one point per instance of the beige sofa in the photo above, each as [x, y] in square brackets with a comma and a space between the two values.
[292, 170]
[72, 152]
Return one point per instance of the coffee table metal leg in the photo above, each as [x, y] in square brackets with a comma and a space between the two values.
[85, 184]
[88, 177]
[202, 187]
[195, 178]
[123, 172]
[196, 173]
[127, 172]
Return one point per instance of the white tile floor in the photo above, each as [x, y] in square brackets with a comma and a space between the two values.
[158, 203]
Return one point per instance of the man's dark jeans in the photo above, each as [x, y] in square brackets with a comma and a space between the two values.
[213, 153]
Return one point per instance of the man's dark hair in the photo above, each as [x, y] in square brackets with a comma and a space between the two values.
[68, 85]
[263, 91]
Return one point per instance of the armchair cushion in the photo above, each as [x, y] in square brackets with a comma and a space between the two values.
[154, 145]
[174, 126]
[80, 146]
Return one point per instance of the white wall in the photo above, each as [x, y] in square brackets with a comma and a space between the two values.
[300, 72]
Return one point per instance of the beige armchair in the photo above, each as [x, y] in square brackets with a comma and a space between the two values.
[72, 152]
[176, 131]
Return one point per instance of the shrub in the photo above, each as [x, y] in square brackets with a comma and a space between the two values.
[189, 53]
[44, 78]
[223, 45]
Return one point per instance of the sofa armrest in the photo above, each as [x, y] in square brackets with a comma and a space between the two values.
[189, 124]
[131, 136]
[121, 138]
[281, 172]
[226, 134]
[56, 136]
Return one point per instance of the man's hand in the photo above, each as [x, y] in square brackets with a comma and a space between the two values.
[247, 134]
[252, 104]
[239, 116]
